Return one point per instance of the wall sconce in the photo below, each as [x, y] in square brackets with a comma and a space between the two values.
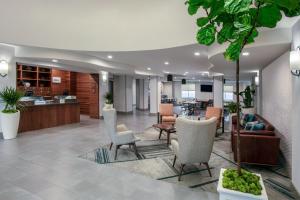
[295, 62]
[256, 80]
[104, 76]
[3, 68]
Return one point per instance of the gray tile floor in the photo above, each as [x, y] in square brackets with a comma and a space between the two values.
[45, 165]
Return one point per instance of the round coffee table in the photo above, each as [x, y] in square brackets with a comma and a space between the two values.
[168, 128]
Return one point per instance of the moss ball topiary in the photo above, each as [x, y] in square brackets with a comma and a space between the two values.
[247, 182]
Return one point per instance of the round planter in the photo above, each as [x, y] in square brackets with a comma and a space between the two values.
[10, 124]
[226, 194]
[248, 110]
[108, 106]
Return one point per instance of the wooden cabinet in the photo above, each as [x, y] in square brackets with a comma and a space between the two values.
[37, 78]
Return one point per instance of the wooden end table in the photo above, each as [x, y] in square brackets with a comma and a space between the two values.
[168, 128]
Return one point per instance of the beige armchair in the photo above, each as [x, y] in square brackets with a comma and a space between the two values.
[119, 134]
[166, 114]
[195, 142]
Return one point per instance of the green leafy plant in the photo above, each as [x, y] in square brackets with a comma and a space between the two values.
[247, 96]
[247, 182]
[232, 107]
[10, 97]
[236, 23]
[108, 98]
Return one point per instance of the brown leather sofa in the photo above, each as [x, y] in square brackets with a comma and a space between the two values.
[257, 147]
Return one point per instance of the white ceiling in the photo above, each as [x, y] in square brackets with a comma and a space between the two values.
[139, 35]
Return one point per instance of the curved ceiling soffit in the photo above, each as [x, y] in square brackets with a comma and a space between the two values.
[265, 38]
[71, 58]
[98, 25]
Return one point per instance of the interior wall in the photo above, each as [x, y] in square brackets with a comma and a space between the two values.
[296, 116]
[204, 96]
[123, 93]
[168, 89]
[134, 92]
[7, 53]
[218, 92]
[277, 101]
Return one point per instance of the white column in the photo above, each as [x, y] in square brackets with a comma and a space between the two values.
[218, 91]
[103, 89]
[155, 93]
[123, 93]
[142, 94]
[7, 53]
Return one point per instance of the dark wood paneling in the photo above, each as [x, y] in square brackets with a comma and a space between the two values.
[94, 96]
[87, 91]
[46, 116]
[83, 87]
[59, 88]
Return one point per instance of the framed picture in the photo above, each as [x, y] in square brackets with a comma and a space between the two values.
[56, 79]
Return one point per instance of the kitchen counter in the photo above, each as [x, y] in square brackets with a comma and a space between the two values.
[35, 117]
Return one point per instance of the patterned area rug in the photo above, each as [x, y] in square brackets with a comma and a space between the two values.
[155, 160]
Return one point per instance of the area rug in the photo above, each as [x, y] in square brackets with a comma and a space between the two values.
[155, 160]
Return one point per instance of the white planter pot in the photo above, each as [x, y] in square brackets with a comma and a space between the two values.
[248, 110]
[109, 106]
[10, 124]
[226, 194]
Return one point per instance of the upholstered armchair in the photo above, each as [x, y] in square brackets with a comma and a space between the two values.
[214, 112]
[166, 114]
[195, 142]
[119, 134]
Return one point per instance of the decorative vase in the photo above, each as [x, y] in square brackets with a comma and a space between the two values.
[10, 124]
[248, 110]
[108, 106]
[231, 115]
[226, 194]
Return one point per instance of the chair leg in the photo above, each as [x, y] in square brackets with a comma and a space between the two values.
[207, 166]
[116, 153]
[111, 144]
[174, 161]
[135, 150]
[160, 133]
[181, 170]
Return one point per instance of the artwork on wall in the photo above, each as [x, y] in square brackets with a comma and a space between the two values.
[56, 79]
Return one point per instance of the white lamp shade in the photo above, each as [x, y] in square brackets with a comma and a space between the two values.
[295, 60]
[3, 67]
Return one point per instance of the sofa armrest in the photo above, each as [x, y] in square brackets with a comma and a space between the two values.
[258, 149]
[257, 132]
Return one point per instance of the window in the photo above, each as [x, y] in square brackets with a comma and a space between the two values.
[228, 93]
[188, 91]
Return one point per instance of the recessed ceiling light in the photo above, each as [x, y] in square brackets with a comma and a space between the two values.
[148, 68]
[197, 53]
[245, 53]
[167, 63]
[186, 72]
[109, 56]
[54, 60]
[166, 72]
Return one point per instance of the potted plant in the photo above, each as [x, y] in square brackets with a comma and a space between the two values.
[10, 115]
[247, 96]
[236, 23]
[108, 100]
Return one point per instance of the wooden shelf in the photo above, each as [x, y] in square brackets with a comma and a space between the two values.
[38, 77]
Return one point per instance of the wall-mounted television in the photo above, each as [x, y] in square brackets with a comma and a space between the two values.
[206, 88]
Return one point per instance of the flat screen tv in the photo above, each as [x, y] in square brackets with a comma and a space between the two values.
[206, 88]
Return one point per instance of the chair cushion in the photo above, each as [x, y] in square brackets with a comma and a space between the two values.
[168, 118]
[121, 128]
[166, 109]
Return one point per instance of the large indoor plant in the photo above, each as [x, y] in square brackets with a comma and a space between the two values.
[248, 98]
[236, 23]
[108, 100]
[10, 115]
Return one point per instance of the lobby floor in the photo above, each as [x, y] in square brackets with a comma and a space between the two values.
[45, 165]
